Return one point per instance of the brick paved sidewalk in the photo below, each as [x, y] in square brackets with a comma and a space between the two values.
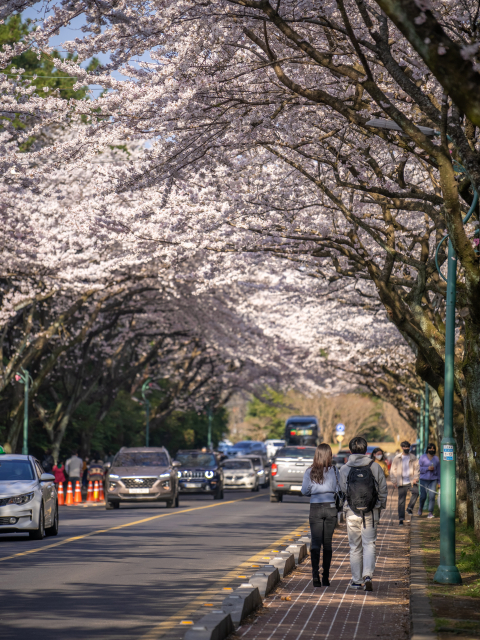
[297, 611]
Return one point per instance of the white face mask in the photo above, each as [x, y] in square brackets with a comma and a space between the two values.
[379, 456]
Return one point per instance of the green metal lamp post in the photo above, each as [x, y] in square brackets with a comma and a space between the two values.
[426, 429]
[26, 379]
[145, 386]
[422, 418]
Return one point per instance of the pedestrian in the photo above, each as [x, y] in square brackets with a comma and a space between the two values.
[48, 461]
[95, 469]
[365, 486]
[379, 456]
[86, 464]
[429, 478]
[320, 482]
[73, 467]
[59, 473]
[405, 474]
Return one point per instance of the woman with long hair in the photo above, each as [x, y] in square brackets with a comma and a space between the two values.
[379, 456]
[320, 483]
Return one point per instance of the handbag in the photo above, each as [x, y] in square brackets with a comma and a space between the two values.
[339, 495]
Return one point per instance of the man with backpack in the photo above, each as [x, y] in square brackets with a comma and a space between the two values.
[365, 487]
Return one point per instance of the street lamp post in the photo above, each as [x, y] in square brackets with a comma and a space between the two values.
[145, 386]
[209, 438]
[26, 379]
[422, 416]
[447, 572]
[426, 430]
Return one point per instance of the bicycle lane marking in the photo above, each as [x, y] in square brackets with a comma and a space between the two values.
[123, 526]
[173, 621]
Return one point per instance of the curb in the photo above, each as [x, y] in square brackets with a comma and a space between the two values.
[422, 622]
[220, 623]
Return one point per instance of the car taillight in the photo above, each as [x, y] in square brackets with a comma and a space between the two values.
[274, 470]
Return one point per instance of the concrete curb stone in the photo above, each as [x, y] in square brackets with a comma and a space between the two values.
[285, 563]
[241, 603]
[422, 620]
[216, 625]
[299, 551]
[266, 579]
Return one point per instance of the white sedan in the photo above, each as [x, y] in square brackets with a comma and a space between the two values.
[28, 498]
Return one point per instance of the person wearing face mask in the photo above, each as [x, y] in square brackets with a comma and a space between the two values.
[429, 479]
[379, 456]
[405, 474]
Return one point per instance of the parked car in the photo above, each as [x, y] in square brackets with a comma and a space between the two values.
[261, 467]
[340, 458]
[273, 446]
[287, 471]
[199, 472]
[28, 497]
[239, 473]
[142, 474]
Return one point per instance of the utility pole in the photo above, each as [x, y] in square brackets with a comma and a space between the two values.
[26, 379]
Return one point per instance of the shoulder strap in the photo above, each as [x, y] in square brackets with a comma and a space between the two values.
[371, 463]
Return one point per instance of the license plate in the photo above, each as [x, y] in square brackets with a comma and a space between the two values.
[138, 490]
[192, 485]
[296, 487]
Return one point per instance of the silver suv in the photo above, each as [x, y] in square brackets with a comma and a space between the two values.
[142, 474]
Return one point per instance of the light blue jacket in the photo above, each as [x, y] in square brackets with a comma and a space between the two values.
[320, 492]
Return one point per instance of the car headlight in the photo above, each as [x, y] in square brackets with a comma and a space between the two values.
[260, 472]
[23, 499]
[164, 475]
[112, 475]
[209, 474]
[252, 474]
[179, 474]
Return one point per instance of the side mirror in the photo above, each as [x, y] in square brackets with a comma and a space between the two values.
[47, 477]
[107, 465]
[176, 464]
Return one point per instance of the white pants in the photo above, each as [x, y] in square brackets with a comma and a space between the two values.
[362, 545]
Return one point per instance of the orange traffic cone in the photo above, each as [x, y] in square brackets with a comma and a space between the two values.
[95, 491]
[60, 494]
[69, 500]
[90, 492]
[101, 495]
[77, 498]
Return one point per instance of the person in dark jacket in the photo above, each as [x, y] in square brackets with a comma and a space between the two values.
[320, 483]
[429, 465]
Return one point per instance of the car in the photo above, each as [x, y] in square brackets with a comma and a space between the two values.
[273, 446]
[28, 497]
[340, 458]
[246, 447]
[239, 473]
[288, 467]
[261, 467]
[199, 472]
[142, 474]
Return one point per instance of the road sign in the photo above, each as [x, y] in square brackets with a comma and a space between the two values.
[340, 437]
[448, 452]
[340, 428]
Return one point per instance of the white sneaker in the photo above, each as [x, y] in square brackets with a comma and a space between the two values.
[430, 515]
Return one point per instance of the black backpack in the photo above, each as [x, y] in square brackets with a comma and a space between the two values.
[362, 492]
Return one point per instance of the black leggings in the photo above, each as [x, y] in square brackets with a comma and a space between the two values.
[323, 519]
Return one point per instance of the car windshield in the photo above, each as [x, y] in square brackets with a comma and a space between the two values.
[257, 463]
[16, 470]
[141, 459]
[343, 453]
[237, 464]
[242, 445]
[296, 452]
[202, 460]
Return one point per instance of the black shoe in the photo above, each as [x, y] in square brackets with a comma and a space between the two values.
[410, 511]
[316, 580]
[367, 584]
[325, 581]
[401, 523]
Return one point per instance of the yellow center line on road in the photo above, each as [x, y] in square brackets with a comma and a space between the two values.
[173, 621]
[123, 526]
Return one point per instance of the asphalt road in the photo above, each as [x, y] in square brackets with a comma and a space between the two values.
[131, 570]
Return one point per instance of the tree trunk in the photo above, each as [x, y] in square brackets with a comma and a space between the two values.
[471, 370]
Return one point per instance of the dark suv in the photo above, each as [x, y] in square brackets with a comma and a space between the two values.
[199, 472]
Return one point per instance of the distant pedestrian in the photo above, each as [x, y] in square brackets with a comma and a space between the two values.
[48, 461]
[86, 463]
[73, 467]
[429, 479]
[379, 456]
[58, 471]
[95, 469]
[405, 474]
[365, 486]
[320, 482]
